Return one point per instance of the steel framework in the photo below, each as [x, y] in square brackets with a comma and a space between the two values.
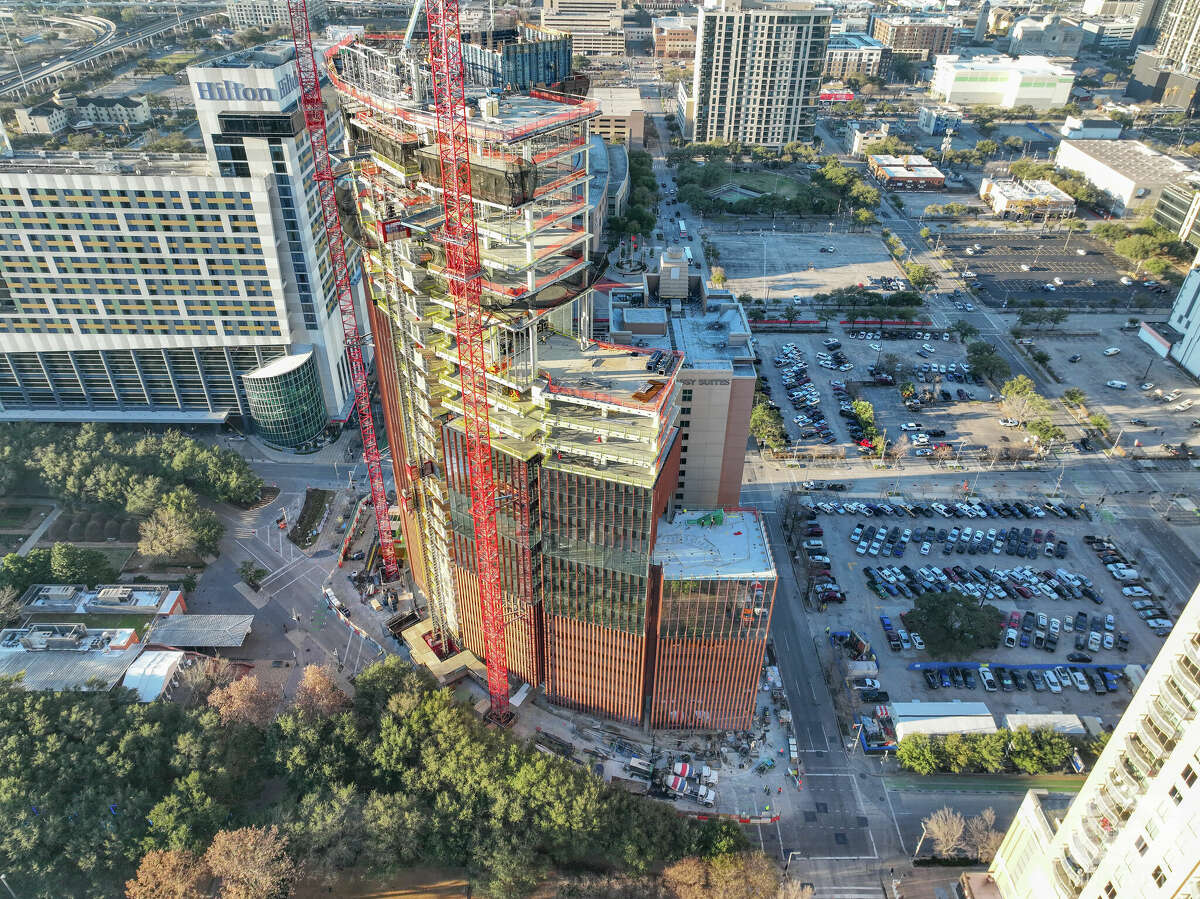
[314, 121]
[463, 273]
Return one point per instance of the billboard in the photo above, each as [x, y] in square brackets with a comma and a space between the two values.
[836, 96]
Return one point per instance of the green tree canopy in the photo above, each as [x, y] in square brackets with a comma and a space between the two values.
[952, 625]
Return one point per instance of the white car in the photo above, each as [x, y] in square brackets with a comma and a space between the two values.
[1116, 385]
[1009, 423]
[910, 426]
[917, 642]
[1127, 281]
[1112, 351]
[876, 347]
[1052, 681]
[1080, 681]
[1108, 641]
[924, 549]
[1135, 591]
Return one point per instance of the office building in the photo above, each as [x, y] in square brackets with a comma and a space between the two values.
[622, 118]
[585, 435]
[1095, 128]
[758, 71]
[1132, 829]
[1181, 336]
[905, 173]
[1112, 8]
[1130, 174]
[917, 37]
[674, 37]
[1026, 199]
[857, 54]
[935, 120]
[1110, 35]
[1169, 73]
[268, 14]
[596, 26]
[177, 288]
[1002, 81]
[1048, 35]
[518, 58]
[1178, 209]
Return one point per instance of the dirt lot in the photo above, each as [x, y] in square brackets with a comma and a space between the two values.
[792, 265]
[862, 610]
[1088, 279]
[1136, 364]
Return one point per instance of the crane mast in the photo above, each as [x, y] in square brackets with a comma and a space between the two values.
[461, 238]
[314, 122]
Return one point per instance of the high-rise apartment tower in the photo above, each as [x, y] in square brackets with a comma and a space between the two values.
[1132, 830]
[758, 71]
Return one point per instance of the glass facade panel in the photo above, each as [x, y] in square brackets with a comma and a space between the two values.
[285, 401]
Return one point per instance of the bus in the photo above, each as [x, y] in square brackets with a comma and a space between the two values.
[683, 229]
[687, 251]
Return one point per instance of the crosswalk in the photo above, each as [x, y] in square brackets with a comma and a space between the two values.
[830, 886]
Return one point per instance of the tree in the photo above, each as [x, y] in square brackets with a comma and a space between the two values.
[251, 863]
[318, 694]
[982, 839]
[251, 573]
[991, 751]
[10, 605]
[958, 752]
[718, 275]
[1038, 751]
[794, 889]
[1045, 430]
[169, 874]
[75, 565]
[1137, 247]
[946, 828]
[953, 624]
[1100, 421]
[920, 275]
[986, 362]
[1020, 399]
[166, 534]
[919, 753]
[987, 148]
[743, 875]
[964, 329]
[1074, 396]
[244, 702]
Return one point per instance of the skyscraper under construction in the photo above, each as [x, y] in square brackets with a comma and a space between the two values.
[585, 434]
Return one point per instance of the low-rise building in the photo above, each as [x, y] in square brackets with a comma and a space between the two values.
[1025, 199]
[1002, 81]
[940, 718]
[49, 656]
[45, 118]
[936, 120]
[1128, 172]
[1077, 128]
[905, 173]
[107, 599]
[674, 37]
[201, 632]
[863, 137]
[55, 115]
[622, 118]
[152, 675]
[1049, 35]
[857, 54]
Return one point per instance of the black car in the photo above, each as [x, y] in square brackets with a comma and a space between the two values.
[931, 680]
[875, 696]
[1075, 357]
[936, 432]
[957, 677]
[1079, 657]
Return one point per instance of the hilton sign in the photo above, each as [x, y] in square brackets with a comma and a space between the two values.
[232, 90]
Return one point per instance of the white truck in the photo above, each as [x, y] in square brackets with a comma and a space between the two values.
[702, 773]
[688, 788]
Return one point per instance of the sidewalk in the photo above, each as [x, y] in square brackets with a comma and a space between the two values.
[32, 540]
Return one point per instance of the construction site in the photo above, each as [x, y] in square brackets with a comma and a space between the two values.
[536, 467]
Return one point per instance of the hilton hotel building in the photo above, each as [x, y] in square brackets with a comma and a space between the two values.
[178, 288]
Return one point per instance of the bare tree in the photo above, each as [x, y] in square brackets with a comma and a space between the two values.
[318, 694]
[792, 889]
[10, 605]
[251, 863]
[166, 533]
[982, 838]
[901, 448]
[945, 828]
[205, 676]
[169, 874]
[245, 702]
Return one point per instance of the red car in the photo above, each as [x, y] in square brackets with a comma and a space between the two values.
[1014, 620]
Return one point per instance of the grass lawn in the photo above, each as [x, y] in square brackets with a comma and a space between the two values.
[179, 57]
[769, 183]
[98, 622]
[116, 553]
[14, 516]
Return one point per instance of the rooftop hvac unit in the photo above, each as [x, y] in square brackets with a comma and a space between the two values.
[489, 107]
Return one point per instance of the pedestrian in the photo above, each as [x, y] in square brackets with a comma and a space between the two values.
[780, 790]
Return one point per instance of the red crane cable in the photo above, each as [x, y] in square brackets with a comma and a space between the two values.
[314, 121]
[461, 239]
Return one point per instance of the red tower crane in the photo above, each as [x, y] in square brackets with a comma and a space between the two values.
[314, 121]
[461, 240]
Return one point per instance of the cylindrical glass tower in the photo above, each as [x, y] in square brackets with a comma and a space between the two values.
[285, 400]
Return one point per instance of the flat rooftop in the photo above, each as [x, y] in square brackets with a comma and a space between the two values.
[177, 164]
[716, 338]
[693, 546]
[906, 166]
[854, 40]
[919, 709]
[1133, 159]
[1029, 190]
[112, 598]
[270, 55]
[201, 630]
[600, 371]
[66, 657]
[1027, 64]
[617, 100]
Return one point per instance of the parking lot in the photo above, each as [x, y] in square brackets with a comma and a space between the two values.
[792, 265]
[967, 422]
[900, 671]
[1146, 416]
[1058, 266]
